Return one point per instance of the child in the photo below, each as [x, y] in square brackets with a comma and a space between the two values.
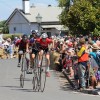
[11, 50]
[67, 62]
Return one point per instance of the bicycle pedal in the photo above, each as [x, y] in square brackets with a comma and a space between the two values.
[42, 70]
[29, 73]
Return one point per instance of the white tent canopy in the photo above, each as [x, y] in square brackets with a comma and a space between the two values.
[59, 27]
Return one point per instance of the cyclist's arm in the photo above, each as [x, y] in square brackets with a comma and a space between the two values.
[37, 40]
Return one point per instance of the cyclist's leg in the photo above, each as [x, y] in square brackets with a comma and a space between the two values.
[29, 63]
[20, 52]
[48, 62]
[19, 58]
[32, 59]
[27, 56]
[40, 57]
[33, 54]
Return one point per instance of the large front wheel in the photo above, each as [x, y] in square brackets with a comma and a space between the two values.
[43, 72]
[43, 78]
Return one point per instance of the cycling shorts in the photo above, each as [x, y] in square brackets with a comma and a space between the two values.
[35, 51]
[46, 50]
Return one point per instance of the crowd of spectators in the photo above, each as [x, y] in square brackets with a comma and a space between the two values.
[8, 48]
[79, 56]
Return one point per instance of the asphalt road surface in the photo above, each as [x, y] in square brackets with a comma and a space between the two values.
[10, 86]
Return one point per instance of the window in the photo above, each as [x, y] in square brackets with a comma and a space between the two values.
[14, 29]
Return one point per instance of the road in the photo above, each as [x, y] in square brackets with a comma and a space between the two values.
[10, 88]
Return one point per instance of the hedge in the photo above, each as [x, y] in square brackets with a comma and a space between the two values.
[5, 36]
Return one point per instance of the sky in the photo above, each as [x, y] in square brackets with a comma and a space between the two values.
[8, 6]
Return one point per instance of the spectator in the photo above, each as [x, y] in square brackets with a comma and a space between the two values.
[83, 59]
[11, 49]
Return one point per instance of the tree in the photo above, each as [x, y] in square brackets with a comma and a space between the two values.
[83, 17]
[3, 27]
[96, 4]
[64, 3]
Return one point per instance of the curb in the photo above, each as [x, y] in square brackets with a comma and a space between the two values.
[93, 92]
[70, 82]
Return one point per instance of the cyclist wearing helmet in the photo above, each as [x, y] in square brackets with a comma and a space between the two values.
[44, 41]
[33, 34]
[33, 46]
[23, 47]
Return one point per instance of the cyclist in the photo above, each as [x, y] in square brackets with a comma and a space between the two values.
[33, 46]
[23, 45]
[44, 41]
[33, 34]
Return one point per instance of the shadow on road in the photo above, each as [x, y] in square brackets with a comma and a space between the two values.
[66, 87]
[11, 86]
[26, 79]
[24, 90]
[18, 88]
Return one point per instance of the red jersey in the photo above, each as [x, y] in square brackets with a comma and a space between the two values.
[22, 44]
[44, 44]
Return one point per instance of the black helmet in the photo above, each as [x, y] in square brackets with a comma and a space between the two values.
[33, 32]
[25, 36]
[38, 35]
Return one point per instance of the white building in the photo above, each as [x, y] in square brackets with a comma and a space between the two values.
[23, 21]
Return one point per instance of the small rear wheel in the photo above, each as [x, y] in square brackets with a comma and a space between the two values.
[35, 82]
[21, 80]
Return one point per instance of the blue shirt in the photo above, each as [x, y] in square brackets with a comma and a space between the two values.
[94, 56]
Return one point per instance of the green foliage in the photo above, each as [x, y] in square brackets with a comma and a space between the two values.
[95, 3]
[64, 3]
[96, 32]
[2, 23]
[83, 17]
[3, 27]
[5, 36]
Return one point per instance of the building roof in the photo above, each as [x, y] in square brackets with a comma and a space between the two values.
[48, 14]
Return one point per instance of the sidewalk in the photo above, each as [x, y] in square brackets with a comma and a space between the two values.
[68, 85]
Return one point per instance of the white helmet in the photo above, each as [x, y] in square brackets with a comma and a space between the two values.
[44, 35]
